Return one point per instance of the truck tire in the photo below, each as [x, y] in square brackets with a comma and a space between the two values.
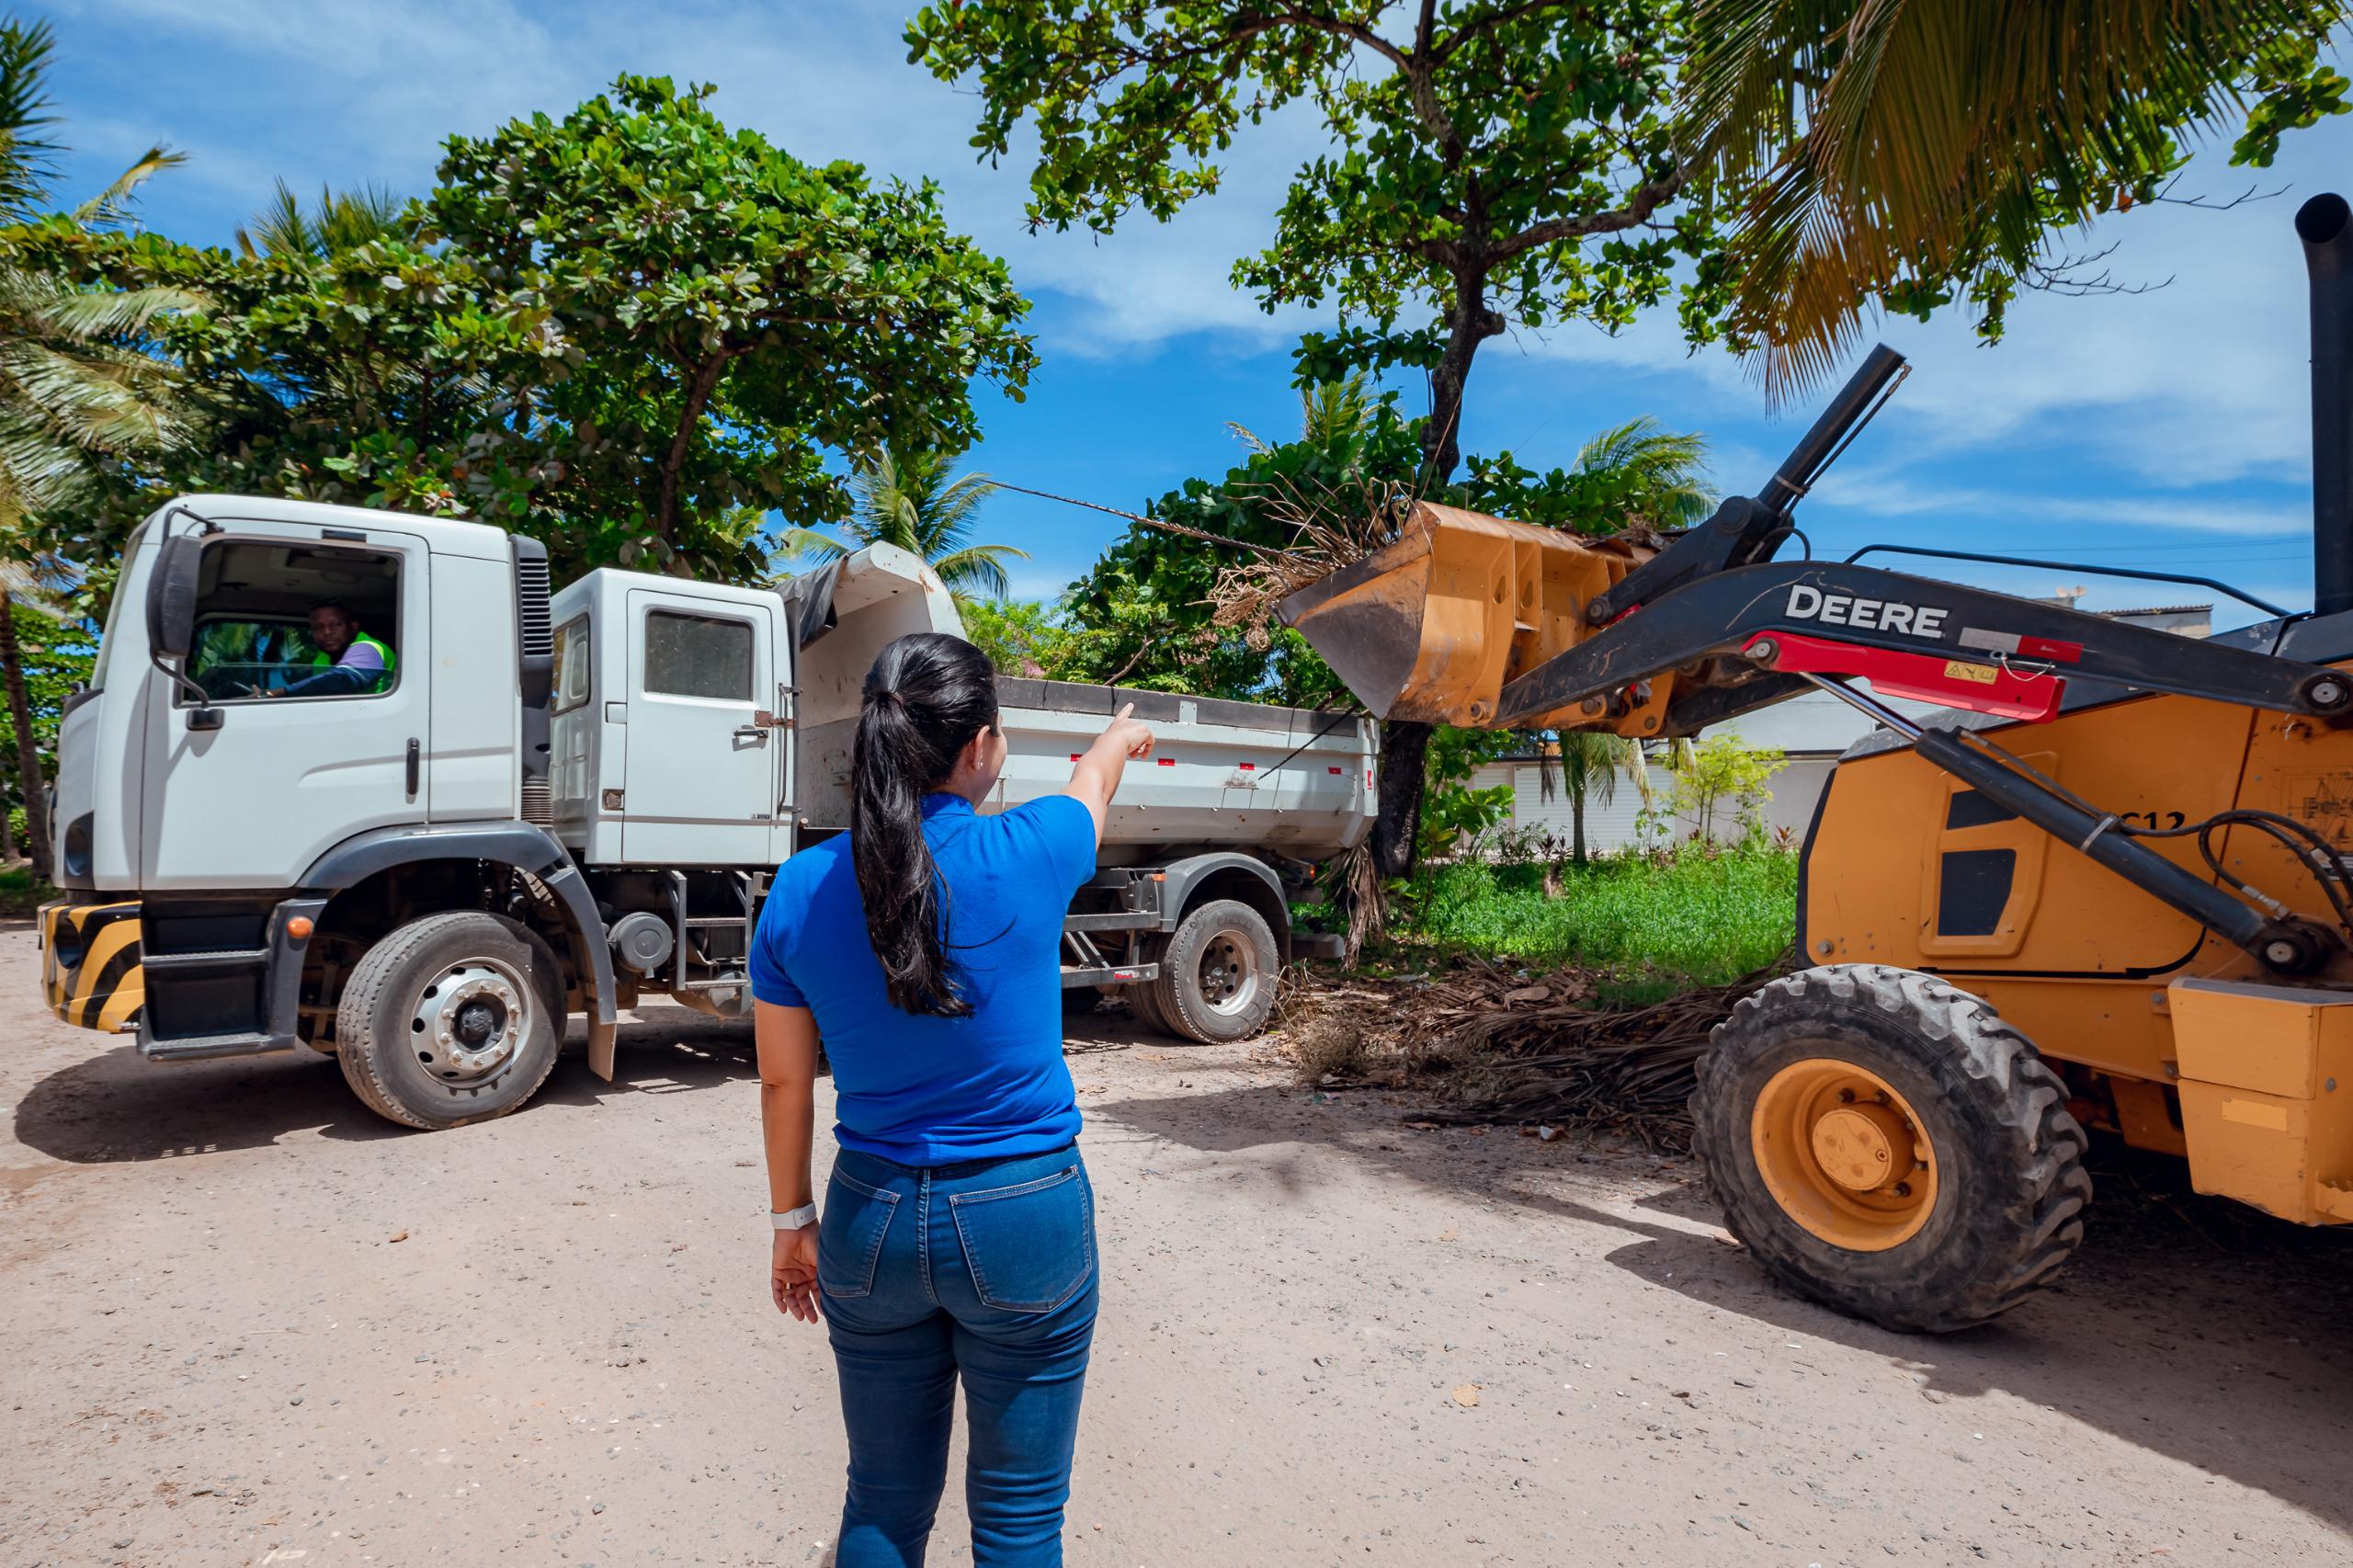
[449, 1019]
[1218, 974]
[1141, 998]
[1888, 1146]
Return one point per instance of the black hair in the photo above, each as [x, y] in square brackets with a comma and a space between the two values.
[927, 697]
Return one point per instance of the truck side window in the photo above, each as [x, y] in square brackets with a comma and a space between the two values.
[698, 655]
[571, 664]
[294, 622]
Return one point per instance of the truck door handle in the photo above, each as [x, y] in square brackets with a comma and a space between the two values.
[415, 767]
[752, 733]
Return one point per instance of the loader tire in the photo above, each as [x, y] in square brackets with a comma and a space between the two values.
[1218, 974]
[1806, 1101]
[449, 1019]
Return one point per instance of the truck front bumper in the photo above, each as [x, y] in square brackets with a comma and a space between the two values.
[90, 970]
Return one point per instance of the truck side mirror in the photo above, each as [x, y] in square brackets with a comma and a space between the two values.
[171, 599]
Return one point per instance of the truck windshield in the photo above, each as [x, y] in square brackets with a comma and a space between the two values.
[114, 611]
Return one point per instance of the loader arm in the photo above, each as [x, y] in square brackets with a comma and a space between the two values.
[1491, 624]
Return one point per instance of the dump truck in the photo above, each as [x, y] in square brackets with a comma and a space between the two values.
[551, 803]
[2104, 886]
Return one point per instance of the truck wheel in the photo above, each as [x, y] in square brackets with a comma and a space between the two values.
[1141, 996]
[449, 1019]
[1217, 977]
[1888, 1146]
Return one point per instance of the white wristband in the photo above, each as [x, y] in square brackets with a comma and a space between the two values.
[800, 1219]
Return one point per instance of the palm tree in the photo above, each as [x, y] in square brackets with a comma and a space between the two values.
[1590, 762]
[79, 388]
[1662, 476]
[1887, 140]
[342, 221]
[914, 499]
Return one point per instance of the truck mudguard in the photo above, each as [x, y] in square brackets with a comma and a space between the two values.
[524, 846]
[1181, 877]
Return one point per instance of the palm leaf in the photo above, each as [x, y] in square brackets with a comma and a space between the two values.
[1881, 140]
[112, 204]
[810, 544]
[28, 159]
[979, 569]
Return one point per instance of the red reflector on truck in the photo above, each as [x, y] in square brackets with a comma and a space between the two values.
[1167, 762]
[1335, 772]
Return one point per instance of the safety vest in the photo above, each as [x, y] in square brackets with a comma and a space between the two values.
[320, 661]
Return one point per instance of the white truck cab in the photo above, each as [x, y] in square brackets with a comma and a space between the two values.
[357, 780]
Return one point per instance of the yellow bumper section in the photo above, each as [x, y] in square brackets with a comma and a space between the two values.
[89, 963]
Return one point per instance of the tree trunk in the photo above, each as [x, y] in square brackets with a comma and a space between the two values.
[1405, 742]
[699, 386]
[21, 716]
[1577, 827]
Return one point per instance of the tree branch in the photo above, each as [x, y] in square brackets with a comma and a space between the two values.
[1645, 201]
[699, 390]
[1485, 25]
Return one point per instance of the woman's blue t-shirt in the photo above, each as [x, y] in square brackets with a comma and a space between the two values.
[925, 1090]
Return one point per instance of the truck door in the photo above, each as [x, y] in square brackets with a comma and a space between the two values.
[285, 777]
[706, 755]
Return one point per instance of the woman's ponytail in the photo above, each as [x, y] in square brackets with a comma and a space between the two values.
[927, 697]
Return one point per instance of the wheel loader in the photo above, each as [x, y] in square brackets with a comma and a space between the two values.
[2102, 885]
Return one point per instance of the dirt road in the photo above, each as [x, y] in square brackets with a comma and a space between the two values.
[248, 1323]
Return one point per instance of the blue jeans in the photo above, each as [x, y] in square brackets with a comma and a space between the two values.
[986, 1270]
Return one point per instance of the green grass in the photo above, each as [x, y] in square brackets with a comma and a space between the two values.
[21, 893]
[1696, 920]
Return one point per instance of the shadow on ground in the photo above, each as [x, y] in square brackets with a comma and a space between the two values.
[114, 1106]
[2190, 1326]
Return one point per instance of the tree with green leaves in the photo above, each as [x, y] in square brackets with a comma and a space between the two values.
[725, 315]
[1911, 152]
[914, 499]
[1492, 164]
[631, 332]
[81, 387]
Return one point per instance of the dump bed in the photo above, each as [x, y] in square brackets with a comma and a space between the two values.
[1224, 774]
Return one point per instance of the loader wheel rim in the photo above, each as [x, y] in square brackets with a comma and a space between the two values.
[1844, 1154]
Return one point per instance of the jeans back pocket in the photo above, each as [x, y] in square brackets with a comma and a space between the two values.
[849, 1237]
[1031, 1247]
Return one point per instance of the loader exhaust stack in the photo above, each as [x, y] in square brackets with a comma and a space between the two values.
[2326, 225]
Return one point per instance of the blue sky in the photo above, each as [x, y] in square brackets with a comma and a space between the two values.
[2167, 429]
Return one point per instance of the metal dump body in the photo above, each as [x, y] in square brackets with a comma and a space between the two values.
[1292, 781]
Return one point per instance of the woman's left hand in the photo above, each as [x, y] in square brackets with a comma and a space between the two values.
[793, 1273]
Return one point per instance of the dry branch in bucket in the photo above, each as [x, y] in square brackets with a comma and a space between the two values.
[1330, 528]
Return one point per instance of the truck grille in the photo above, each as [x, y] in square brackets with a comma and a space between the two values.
[537, 623]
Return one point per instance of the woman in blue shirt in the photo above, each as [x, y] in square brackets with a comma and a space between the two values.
[924, 947]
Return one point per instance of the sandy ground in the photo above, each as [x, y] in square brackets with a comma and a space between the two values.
[248, 1323]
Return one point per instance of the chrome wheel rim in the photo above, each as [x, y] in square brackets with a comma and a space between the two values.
[470, 1020]
[1229, 974]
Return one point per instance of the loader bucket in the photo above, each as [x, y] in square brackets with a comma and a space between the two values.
[1430, 626]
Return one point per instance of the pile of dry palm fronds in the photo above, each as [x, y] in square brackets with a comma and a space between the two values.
[1329, 528]
[1511, 1048]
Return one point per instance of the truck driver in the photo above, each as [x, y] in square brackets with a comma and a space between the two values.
[349, 662]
